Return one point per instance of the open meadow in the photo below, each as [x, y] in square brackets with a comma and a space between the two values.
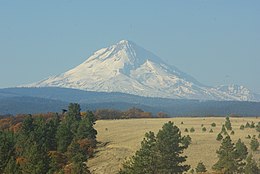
[119, 139]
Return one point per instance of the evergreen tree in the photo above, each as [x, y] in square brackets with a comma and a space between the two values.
[145, 159]
[247, 125]
[51, 130]
[241, 154]
[36, 159]
[186, 141]
[170, 147]
[251, 166]
[86, 129]
[228, 124]
[64, 137]
[219, 137]
[201, 168]
[258, 127]
[160, 154]
[223, 130]
[254, 144]
[12, 167]
[241, 149]
[192, 129]
[7, 149]
[73, 117]
[227, 158]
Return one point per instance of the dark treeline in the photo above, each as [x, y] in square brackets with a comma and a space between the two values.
[49, 143]
[130, 113]
[12, 122]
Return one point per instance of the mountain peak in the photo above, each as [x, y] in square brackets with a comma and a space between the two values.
[128, 68]
[125, 42]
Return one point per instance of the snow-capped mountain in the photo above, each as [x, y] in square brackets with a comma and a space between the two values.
[126, 67]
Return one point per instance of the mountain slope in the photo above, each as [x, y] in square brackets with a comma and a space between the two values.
[127, 68]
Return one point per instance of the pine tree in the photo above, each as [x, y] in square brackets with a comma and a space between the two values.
[145, 159]
[160, 154]
[7, 148]
[227, 161]
[258, 127]
[170, 147]
[254, 144]
[251, 166]
[201, 168]
[219, 137]
[36, 157]
[247, 125]
[86, 129]
[12, 167]
[64, 137]
[241, 154]
[228, 124]
[223, 130]
[241, 149]
[186, 141]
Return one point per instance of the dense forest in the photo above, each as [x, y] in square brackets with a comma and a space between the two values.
[56, 143]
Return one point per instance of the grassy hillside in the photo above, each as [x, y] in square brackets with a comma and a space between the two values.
[120, 139]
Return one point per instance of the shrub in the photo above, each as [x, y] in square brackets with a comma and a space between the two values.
[192, 129]
[232, 132]
[201, 168]
[210, 130]
[186, 130]
[248, 137]
[252, 125]
[247, 125]
[242, 127]
[213, 124]
[258, 127]
[204, 129]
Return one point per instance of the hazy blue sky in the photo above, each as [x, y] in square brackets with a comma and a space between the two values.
[216, 41]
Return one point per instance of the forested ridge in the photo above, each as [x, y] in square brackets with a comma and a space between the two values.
[56, 143]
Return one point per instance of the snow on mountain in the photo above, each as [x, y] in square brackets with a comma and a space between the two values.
[239, 91]
[126, 67]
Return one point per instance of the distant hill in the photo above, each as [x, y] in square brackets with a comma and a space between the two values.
[48, 99]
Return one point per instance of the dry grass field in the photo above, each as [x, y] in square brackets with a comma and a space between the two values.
[119, 139]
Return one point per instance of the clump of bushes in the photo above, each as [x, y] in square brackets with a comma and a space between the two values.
[192, 129]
